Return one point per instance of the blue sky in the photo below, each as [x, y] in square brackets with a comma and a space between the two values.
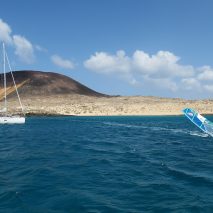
[126, 47]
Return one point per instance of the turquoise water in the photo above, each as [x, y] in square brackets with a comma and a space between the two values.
[105, 164]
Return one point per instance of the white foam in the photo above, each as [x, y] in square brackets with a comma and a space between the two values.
[157, 128]
[199, 134]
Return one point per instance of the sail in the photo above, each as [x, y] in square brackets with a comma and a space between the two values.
[200, 121]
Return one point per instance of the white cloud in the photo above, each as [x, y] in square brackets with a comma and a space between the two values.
[160, 70]
[162, 64]
[162, 67]
[151, 64]
[63, 63]
[40, 48]
[190, 84]
[105, 63]
[23, 49]
[208, 88]
[206, 73]
[119, 64]
[5, 32]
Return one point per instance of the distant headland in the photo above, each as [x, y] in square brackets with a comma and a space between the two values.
[49, 93]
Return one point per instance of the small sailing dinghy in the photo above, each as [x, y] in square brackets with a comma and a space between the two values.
[5, 116]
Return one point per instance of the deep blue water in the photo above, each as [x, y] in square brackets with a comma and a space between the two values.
[105, 164]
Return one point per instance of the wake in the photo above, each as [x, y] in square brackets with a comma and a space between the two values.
[157, 128]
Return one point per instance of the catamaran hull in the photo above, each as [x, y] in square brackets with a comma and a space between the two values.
[12, 120]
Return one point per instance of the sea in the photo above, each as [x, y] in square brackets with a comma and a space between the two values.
[106, 164]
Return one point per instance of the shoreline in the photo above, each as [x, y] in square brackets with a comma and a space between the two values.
[80, 105]
[142, 115]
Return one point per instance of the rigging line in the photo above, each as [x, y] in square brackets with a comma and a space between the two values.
[5, 84]
[2, 75]
[14, 83]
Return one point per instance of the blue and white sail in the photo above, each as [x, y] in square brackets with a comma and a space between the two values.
[200, 121]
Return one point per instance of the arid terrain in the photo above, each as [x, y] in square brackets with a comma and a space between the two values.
[45, 93]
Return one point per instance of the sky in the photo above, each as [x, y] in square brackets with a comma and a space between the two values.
[118, 47]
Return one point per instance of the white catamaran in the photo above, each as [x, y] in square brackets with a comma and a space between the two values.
[5, 116]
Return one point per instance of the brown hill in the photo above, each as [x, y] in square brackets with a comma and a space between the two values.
[37, 83]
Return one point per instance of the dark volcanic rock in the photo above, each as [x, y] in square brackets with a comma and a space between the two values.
[47, 83]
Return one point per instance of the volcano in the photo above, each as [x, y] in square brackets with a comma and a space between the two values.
[38, 83]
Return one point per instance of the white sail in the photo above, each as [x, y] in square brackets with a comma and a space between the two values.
[5, 118]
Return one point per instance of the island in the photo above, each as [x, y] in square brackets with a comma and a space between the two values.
[49, 93]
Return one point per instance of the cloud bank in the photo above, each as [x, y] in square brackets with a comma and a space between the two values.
[162, 69]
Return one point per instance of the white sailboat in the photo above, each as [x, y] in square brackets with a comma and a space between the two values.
[5, 116]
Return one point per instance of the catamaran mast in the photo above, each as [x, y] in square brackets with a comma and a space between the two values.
[5, 83]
